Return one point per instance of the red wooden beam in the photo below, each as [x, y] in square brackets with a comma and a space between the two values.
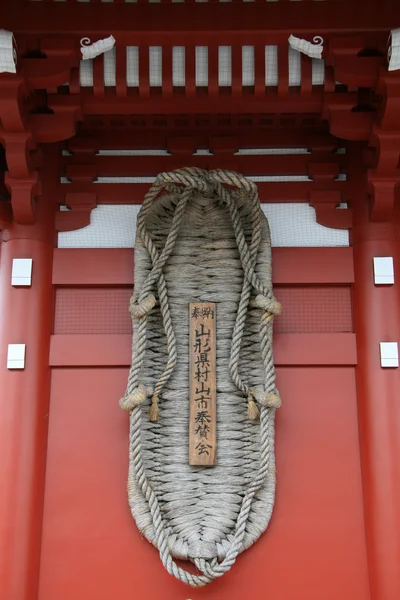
[245, 23]
[133, 193]
[115, 350]
[114, 166]
[150, 138]
[114, 266]
[221, 101]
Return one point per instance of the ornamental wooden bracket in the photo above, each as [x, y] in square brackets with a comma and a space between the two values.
[5, 214]
[21, 181]
[383, 155]
[53, 69]
[23, 193]
[13, 112]
[345, 121]
[79, 208]
[20, 148]
[326, 201]
[21, 132]
[79, 204]
[328, 211]
[61, 124]
[357, 60]
[361, 61]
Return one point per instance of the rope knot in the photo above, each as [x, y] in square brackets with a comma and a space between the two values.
[270, 305]
[139, 310]
[208, 189]
[266, 399]
[136, 399]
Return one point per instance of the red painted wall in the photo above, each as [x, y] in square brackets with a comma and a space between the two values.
[314, 547]
[91, 548]
[66, 530]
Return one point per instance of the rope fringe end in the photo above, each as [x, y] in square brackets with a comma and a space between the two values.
[252, 411]
[154, 412]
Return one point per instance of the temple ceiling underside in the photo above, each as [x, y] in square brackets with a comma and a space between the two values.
[195, 75]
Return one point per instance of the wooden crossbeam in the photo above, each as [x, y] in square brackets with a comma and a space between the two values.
[293, 103]
[133, 193]
[199, 136]
[114, 266]
[185, 24]
[219, 102]
[114, 350]
[120, 166]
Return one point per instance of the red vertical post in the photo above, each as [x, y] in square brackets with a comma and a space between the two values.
[26, 318]
[377, 319]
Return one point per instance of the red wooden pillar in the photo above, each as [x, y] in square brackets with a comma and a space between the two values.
[26, 317]
[377, 319]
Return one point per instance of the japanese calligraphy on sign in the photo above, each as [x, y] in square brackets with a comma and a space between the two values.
[202, 384]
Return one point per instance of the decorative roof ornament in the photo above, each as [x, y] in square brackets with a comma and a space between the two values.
[312, 49]
[394, 50]
[8, 52]
[90, 50]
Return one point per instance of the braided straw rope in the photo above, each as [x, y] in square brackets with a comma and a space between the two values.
[201, 236]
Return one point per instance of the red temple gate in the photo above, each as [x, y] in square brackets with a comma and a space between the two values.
[208, 85]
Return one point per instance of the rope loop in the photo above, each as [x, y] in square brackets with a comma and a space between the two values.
[266, 399]
[140, 309]
[192, 178]
[135, 399]
[270, 305]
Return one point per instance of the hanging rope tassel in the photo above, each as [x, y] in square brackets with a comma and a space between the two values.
[154, 412]
[252, 411]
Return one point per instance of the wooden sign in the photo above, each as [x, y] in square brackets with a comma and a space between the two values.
[202, 384]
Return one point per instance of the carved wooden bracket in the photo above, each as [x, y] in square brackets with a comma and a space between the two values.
[19, 146]
[327, 211]
[356, 60]
[323, 172]
[81, 173]
[23, 192]
[13, 113]
[382, 194]
[378, 124]
[181, 144]
[54, 69]
[5, 214]
[59, 126]
[389, 90]
[21, 179]
[344, 122]
[326, 201]
[79, 203]
[78, 216]
[384, 155]
[21, 131]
